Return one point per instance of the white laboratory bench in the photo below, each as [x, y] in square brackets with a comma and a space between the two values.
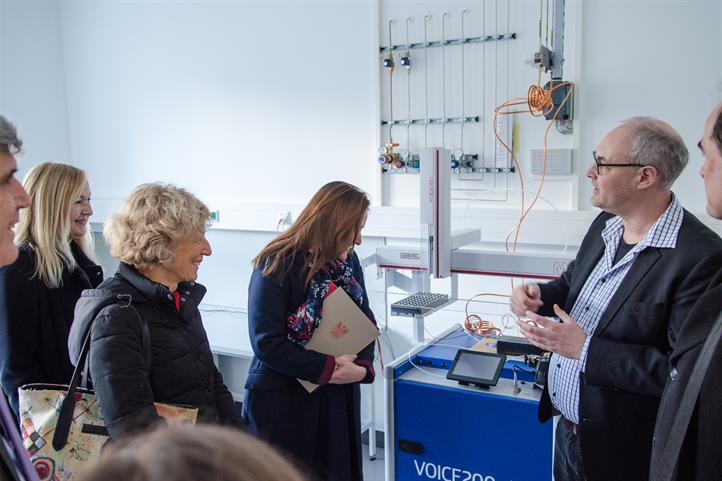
[227, 330]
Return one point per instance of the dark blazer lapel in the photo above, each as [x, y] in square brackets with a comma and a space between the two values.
[581, 274]
[642, 264]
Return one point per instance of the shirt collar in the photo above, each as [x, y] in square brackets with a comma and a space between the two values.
[662, 234]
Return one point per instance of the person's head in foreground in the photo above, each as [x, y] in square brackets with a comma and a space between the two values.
[193, 453]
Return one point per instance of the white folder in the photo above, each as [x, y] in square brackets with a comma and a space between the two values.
[344, 329]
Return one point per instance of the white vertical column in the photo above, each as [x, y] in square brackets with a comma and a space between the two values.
[435, 210]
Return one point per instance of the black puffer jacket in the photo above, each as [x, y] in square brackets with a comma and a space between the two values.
[182, 369]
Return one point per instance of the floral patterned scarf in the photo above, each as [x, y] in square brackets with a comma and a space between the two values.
[304, 321]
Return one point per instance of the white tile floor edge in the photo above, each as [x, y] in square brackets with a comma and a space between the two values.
[373, 470]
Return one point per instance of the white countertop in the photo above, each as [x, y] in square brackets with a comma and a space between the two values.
[227, 331]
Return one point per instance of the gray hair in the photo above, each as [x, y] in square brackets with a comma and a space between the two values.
[657, 144]
[9, 141]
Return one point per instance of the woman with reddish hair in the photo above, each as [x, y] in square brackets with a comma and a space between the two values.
[292, 275]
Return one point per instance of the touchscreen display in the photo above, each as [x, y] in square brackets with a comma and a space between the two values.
[475, 366]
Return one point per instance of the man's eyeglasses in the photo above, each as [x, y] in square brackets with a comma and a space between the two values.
[603, 164]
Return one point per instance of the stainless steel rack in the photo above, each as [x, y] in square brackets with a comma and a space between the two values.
[452, 41]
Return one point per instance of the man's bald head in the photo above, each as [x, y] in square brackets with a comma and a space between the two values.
[656, 143]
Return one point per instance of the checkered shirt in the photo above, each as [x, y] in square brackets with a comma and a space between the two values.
[600, 287]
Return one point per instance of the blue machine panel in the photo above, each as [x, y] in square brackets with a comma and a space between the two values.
[442, 352]
[468, 435]
[447, 432]
[441, 355]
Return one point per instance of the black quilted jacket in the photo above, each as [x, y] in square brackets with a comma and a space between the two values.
[181, 366]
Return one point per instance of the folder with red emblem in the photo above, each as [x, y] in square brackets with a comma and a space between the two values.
[344, 328]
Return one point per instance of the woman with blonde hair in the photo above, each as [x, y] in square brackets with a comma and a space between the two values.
[159, 238]
[192, 453]
[292, 275]
[39, 291]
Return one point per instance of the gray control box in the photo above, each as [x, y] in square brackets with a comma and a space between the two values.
[559, 161]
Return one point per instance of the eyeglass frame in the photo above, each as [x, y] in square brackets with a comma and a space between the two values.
[600, 164]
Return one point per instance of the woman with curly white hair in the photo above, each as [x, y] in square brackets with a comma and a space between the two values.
[159, 238]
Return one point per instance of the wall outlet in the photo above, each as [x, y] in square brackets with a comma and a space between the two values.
[283, 218]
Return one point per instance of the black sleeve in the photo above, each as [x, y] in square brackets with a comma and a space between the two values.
[644, 369]
[556, 291]
[119, 372]
[20, 325]
[366, 356]
[267, 310]
[227, 412]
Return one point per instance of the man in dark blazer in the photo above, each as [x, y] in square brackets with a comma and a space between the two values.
[14, 462]
[641, 266]
[699, 458]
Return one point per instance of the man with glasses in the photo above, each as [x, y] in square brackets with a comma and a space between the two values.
[641, 266]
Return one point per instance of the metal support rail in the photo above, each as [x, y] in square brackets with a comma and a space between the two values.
[447, 120]
[453, 41]
[455, 170]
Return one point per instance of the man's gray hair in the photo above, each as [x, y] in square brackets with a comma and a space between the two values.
[9, 141]
[657, 144]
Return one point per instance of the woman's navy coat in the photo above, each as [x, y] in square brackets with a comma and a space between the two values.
[320, 430]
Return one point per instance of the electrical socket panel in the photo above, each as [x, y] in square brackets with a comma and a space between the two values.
[559, 161]
[505, 131]
[284, 218]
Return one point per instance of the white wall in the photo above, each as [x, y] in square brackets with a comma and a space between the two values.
[32, 83]
[239, 101]
[261, 102]
[658, 58]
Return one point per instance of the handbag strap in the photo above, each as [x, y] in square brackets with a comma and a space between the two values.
[65, 418]
[673, 447]
[146, 337]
